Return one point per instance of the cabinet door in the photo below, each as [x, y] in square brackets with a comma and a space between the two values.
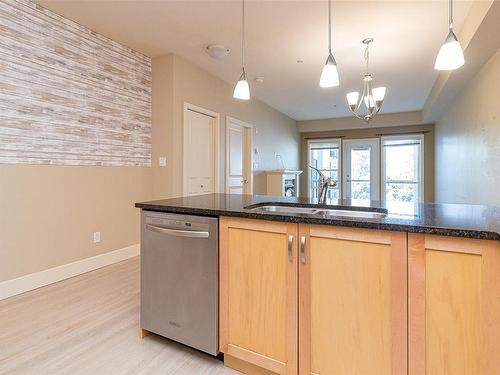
[352, 301]
[258, 293]
[454, 305]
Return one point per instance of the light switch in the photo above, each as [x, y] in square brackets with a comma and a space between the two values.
[162, 161]
[97, 237]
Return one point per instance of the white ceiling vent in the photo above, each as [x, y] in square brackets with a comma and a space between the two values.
[217, 51]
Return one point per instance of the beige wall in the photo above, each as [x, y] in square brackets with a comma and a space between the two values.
[468, 142]
[65, 105]
[276, 131]
[342, 123]
[49, 213]
[374, 133]
[162, 116]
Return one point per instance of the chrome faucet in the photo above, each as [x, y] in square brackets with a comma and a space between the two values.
[324, 184]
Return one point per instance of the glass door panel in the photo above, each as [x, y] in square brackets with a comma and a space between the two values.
[324, 155]
[361, 169]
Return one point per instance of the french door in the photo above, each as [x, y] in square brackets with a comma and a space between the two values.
[361, 171]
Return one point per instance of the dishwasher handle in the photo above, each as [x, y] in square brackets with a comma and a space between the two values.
[177, 232]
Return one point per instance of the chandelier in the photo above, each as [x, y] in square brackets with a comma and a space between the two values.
[371, 99]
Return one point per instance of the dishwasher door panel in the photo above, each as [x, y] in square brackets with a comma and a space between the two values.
[179, 278]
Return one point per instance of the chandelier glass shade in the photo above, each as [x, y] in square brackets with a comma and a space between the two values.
[369, 103]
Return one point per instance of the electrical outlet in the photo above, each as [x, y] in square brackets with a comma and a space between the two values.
[97, 237]
[162, 161]
[256, 130]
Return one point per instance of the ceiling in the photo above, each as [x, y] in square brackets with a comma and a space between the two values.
[407, 35]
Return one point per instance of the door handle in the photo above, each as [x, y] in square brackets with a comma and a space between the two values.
[177, 232]
[303, 249]
[290, 248]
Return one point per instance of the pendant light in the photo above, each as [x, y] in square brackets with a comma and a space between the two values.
[242, 90]
[450, 55]
[371, 99]
[329, 75]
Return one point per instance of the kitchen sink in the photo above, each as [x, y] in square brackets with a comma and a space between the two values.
[320, 212]
[286, 209]
[353, 213]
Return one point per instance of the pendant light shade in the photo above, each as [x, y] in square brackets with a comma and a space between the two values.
[379, 93]
[450, 54]
[242, 89]
[352, 99]
[329, 75]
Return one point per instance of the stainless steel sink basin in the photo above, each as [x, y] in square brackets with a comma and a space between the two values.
[353, 213]
[286, 209]
[322, 212]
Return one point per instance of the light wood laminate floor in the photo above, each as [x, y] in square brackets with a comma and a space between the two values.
[89, 324]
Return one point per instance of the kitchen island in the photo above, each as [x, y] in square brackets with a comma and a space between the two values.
[368, 287]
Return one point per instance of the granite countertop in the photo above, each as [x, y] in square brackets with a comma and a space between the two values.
[461, 220]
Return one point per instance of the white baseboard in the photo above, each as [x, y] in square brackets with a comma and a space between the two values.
[36, 280]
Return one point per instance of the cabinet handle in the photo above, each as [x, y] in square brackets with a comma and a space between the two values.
[290, 249]
[303, 249]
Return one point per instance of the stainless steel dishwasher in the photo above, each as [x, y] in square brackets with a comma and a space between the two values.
[179, 278]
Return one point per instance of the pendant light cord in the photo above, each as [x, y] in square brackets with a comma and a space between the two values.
[450, 14]
[243, 36]
[329, 26]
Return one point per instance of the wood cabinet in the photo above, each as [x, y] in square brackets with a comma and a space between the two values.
[352, 301]
[258, 293]
[326, 300]
[454, 305]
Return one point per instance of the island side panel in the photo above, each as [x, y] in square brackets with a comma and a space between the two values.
[454, 304]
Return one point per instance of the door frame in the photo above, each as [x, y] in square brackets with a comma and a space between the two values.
[216, 151]
[247, 149]
[345, 143]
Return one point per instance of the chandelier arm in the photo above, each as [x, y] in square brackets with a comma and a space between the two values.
[367, 58]
[361, 98]
[356, 115]
[370, 98]
[378, 108]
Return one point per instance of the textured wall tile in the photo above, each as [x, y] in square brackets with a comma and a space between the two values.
[68, 95]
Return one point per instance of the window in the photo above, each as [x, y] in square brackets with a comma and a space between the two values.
[402, 168]
[325, 155]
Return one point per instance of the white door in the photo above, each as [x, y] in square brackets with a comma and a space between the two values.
[361, 172]
[238, 157]
[199, 143]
